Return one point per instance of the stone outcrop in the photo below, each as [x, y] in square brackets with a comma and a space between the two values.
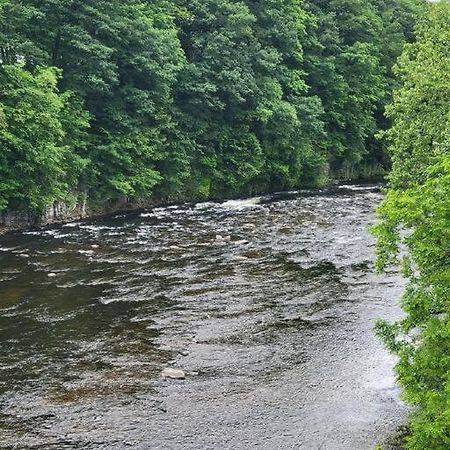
[59, 212]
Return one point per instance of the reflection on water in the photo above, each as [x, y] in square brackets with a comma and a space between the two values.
[266, 303]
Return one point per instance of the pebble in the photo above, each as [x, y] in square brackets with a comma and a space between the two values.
[222, 239]
[174, 374]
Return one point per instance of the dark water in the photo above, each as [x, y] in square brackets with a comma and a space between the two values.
[267, 304]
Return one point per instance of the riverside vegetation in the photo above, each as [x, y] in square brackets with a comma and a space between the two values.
[132, 99]
[415, 223]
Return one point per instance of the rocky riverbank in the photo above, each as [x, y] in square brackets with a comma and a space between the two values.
[62, 212]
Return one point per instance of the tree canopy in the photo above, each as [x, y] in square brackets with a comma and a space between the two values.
[191, 99]
[414, 228]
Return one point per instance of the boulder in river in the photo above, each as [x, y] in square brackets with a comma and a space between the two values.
[173, 374]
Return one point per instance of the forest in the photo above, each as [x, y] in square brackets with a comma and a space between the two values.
[175, 99]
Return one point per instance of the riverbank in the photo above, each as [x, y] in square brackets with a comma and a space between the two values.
[61, 213]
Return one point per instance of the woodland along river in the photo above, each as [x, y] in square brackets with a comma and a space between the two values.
[268, 305]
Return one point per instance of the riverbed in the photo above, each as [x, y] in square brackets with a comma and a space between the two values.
[267, 304]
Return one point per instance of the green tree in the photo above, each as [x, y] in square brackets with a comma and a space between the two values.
[289, 120]
[344, 70]
[38, 130]
[243, 98]
[350, 49]
[121, 58]
[416, 217]
[218, 91]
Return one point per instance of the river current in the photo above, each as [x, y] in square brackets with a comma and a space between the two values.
[267, 304]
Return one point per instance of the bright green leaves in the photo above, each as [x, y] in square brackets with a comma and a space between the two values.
[36, 153]
[415, 221]
[126, 164]
[420, 111]
[122, 59]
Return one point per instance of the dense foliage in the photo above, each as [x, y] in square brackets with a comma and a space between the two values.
[129, 99]
[415, 223]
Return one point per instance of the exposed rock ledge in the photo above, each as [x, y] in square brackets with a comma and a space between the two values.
[61, 212]
[57, 213]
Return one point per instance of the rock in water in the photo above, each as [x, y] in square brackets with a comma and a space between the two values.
[173, 374]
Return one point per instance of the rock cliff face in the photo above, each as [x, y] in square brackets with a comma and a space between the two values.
[62, 212]
[59, 212]
[10, 220]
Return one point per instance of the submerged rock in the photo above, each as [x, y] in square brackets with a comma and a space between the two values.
[173, 374]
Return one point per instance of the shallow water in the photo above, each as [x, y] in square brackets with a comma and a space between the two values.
[267, 304]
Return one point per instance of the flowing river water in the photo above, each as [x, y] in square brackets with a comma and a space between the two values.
[267, 304]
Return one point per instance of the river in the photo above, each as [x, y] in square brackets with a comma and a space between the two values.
[267, 304]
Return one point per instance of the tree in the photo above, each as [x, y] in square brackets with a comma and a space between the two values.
[218, 91]
[350, 49]
[38, 130]
[289, 120]
[121, 59]
[208, 98]
[416, 216]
